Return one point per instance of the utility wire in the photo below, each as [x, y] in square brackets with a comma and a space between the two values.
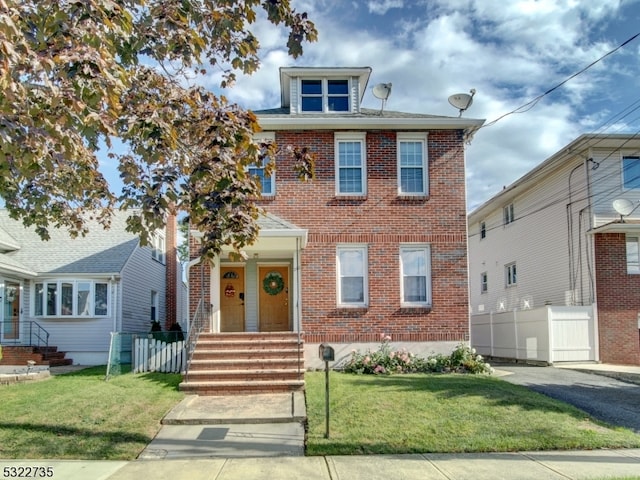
[529, 105]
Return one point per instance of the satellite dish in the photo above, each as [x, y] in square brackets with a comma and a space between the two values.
[623, 206]
[382, 91]
[462, 101]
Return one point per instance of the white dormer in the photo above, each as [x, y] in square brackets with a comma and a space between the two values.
[316, 90]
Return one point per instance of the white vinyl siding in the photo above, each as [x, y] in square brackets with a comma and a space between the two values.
[413, 172]
[350, 161]
[352, 275]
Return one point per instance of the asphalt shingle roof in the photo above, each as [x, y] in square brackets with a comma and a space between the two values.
[100, 251]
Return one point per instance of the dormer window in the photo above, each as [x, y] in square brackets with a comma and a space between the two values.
[324, 95]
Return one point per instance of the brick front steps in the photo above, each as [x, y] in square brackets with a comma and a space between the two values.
[20, 355]
[245, 363]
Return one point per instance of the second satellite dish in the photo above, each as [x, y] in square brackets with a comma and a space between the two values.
[382, 91]
[462, 101]
[623, 206]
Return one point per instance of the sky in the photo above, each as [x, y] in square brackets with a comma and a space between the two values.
[509, 51]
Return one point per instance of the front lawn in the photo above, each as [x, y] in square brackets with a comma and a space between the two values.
[417, 413]
[80, 416]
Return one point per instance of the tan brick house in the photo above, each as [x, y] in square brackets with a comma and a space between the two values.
[377, 243]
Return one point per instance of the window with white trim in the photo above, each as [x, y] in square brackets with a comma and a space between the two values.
[352, 273]
[484, 282]
[483, 230]
[631, 172]
[633, 254]
[415, 273]
[158, 247]
[267, 182]
[508, 214]
[71, 298]
[412, 164]
[510, 275]
[351, 171]
[324, 95]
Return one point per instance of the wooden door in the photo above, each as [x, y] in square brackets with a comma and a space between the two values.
[232, 299]
[273, 285]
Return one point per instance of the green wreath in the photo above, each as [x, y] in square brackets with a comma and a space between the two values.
[273, 283]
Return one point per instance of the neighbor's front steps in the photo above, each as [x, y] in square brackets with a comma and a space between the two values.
[20, 355]
[245, 363]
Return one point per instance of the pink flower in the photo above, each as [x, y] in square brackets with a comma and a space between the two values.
[366, 360]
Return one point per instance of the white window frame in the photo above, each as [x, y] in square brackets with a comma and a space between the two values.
[351, 137]
[324, 95]
[266, 137]
[413, 137]
[483, 230]
[155, 305]
[484, 282]
[510, 275]
[363, 249]
[508, 214]
[632, 248]
[89, 309]
[158, 247]
[635, 183]
[425, 249]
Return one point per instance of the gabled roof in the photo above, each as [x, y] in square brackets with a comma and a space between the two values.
[99, 252]
[580, 145]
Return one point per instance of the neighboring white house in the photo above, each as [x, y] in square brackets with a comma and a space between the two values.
[79, 290]
[554, 269]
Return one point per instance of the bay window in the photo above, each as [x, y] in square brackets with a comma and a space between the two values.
[71, 298]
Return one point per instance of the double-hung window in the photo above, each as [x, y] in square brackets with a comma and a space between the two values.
[412, 164]
[484, 282]
[71, 298]
[158, 247]
[415, 273]
[511, 278]
[267, 180]
[508, 214]
[633, 254]
[324, 95]
[631, 172]
[352, 275]
[483, 230]
[351, 171]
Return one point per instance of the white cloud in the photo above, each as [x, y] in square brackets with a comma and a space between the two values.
[380, 7]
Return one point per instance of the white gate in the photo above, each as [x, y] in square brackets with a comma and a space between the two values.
[153, 355]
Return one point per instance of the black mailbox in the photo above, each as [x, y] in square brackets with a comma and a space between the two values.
[326, 353]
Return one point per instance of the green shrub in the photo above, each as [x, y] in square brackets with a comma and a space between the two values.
[386, 361]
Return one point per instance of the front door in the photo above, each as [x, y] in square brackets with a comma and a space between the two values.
[10, 311]
[232, 299]
[274, 298]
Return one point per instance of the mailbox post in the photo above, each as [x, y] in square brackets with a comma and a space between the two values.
[327, 354]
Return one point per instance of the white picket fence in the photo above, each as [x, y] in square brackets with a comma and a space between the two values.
[152, 355]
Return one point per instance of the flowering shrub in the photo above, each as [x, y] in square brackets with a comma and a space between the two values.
[385, 360]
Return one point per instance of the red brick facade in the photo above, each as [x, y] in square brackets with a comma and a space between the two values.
[383, 221]
[618, 295]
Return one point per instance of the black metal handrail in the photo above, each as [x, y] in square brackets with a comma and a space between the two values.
[198, 323]
[28, 333]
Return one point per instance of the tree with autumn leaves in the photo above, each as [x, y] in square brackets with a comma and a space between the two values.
[76, 76]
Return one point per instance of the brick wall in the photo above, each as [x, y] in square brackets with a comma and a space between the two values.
[618, 301]
[383, 221]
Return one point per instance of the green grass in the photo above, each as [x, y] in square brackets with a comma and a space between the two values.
[80, 416]
[445, 413]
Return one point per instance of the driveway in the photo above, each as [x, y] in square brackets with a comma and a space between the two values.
[612, 401]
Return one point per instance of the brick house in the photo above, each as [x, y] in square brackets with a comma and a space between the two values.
[375, 244]
[555, 258]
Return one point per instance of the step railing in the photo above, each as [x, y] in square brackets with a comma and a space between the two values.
[198, 323]
[27, 333]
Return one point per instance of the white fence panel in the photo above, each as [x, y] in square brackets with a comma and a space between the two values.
[153, 355]
[548, 334]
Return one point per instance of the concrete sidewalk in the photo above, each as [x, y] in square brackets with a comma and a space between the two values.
[595, 464]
